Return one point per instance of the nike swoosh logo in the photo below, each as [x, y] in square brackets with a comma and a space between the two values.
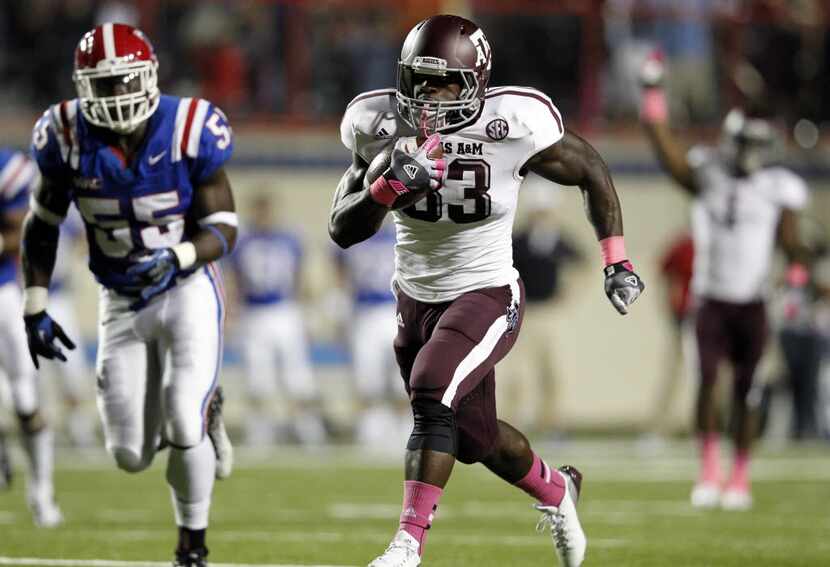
[155, 159]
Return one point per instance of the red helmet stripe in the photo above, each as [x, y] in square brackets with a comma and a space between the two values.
[187, 124]
[109, 41]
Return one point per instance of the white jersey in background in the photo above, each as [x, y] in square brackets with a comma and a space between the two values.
[734, 225]
[459, 238]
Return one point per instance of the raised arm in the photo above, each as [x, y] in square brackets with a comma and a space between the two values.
[573, 161]
[654, 116]
[355, 215]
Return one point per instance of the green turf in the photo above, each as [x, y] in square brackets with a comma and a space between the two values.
[330, 509]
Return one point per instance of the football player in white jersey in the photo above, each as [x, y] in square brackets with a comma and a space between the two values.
[18, 177]
[742, 207]
[146, 171]
[460, 301]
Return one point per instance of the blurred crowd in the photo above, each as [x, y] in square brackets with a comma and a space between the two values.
[303, 61]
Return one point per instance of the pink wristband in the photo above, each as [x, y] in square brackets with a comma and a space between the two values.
[613, 250]
[382, 192]
[797, 275]
[654, 109]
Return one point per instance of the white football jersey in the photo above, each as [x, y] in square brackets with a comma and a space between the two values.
[458, 238]
[734, 225]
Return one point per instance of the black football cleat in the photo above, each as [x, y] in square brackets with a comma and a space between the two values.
[192, 558]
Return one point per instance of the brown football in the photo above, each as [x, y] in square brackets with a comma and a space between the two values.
[381, 163]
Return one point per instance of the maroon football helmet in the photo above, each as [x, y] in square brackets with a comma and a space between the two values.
[116, 76]
[452, 49]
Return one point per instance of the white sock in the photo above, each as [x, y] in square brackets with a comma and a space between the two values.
[190, 474]
[40, 449]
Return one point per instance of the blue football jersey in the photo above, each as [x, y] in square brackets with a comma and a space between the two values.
[266, 264]
[18, 177]
[129, 209]
[370, 266]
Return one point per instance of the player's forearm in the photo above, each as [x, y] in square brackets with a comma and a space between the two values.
[39, 246]
[355, 216]
[211, 243]
[670, 153]
[601, 202]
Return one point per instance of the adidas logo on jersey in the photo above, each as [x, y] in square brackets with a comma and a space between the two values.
[400, 320]
[383, 133]
[411, 170]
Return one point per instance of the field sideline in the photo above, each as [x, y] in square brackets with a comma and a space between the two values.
[339, 508]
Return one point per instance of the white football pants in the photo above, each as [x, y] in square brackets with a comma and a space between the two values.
[14, 352]
[157, 368]
[275, 352]
[75, 377]
[373, 355]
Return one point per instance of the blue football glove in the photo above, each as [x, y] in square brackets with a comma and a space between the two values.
[622, 285]
[156, 270]
[41, 332]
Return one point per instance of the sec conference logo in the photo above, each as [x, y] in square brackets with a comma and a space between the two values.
[497, 129]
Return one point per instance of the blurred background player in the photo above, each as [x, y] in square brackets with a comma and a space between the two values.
[137, 164]
[18, 178]
[743, 205]
[74, 379]
[802, 315]
[267, 265]
[366, 271]
[542, 253]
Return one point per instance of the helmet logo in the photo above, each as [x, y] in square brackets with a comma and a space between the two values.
[482, 48]
[497, 129]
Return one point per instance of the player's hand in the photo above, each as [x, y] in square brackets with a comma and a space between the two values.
[155, 270]
[653, 70]
[42, 332]
[418, 170]
[622, 285]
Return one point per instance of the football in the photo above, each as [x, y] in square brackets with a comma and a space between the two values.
[381, 163]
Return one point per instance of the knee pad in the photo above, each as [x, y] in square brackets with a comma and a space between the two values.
[183, 434]
[31, 423]
[130, 461]
[435, 427]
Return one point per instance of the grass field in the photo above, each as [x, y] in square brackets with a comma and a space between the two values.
[340, 508]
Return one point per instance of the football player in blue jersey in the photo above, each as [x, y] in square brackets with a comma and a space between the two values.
[18, 176]
[366, 271]
[267, 263]
[146, 173]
